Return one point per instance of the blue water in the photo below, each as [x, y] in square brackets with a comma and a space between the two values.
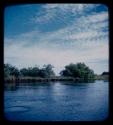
[58, 101]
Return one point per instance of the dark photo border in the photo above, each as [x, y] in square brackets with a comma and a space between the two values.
[6, 3]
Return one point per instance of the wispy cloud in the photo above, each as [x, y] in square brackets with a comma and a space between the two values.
[50, 11]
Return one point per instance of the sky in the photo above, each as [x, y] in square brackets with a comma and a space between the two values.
[57, 34]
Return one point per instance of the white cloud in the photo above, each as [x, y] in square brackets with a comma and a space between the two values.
[48, 15]
[70, 7]
[50, 11]
[85, 35]
[99, 17]
[95, 18]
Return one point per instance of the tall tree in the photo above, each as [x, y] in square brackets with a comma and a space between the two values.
[49, 71]
[10, 70]
[79, 70]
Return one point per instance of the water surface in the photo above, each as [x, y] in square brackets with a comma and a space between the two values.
[57, 101]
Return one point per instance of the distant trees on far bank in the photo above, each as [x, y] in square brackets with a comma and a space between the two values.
[79, 70]
[46, 71]
[10, 70]
[105, 73]
[103, 76]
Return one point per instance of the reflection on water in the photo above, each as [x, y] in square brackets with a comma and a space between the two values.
[57, 101]
[10, 87]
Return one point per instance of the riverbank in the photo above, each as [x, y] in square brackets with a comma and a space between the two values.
[38, 79]
[102, 77]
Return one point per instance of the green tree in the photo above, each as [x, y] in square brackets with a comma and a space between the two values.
[49, 71]
[24, 72]
[10, 70]
[79, 70]
[44, 72]
[6, 70]
[35, 71]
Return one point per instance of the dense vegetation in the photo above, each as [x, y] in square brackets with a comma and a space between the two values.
[44, 72]
[10, 70]
[79, 70]
[72, 71]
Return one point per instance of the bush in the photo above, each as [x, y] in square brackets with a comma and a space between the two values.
[79, 70]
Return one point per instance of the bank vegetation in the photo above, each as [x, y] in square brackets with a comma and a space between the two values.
[73, 72]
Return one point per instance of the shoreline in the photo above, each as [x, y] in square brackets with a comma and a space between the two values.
[31, 79]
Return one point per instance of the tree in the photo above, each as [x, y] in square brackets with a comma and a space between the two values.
[6, 70]
[49, 71]
[33, 72]
[105, 73]
[44, 72]
[10, 70]
[14, 72]
[79, 70]
[24, 72]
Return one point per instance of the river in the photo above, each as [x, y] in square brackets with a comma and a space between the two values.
[57, 101]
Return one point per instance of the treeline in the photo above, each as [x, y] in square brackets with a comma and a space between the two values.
[79, 70]
[44, 72]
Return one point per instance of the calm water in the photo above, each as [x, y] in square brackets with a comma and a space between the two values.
[57, 101]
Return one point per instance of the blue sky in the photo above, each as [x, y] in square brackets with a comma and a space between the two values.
[59, 34]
